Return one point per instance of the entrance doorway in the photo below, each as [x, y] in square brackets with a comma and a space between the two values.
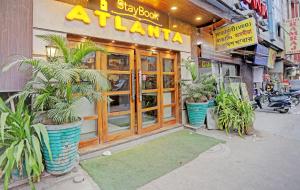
[143, 96]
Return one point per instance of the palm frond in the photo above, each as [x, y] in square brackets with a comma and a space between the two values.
[63, 113]
[95, 77]
[82, 50]
[58, 41]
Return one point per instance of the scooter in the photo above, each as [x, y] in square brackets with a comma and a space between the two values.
[281, 103]
[295, 97]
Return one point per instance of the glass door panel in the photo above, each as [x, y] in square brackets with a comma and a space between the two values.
[118, 117]
[148, 87]
[169, 88]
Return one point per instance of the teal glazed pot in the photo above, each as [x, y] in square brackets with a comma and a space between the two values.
[211, 103]
[64, 140]
[197, 113]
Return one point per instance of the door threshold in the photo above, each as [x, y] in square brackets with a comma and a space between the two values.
[97, 150]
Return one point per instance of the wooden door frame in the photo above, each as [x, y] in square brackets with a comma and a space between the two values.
[105, 136]
[140, 110]
[175, 105]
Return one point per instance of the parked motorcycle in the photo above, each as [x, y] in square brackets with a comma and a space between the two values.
[279, 103]
[295, 97]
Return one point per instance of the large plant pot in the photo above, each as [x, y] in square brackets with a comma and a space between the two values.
[197, 113]
[64, 141]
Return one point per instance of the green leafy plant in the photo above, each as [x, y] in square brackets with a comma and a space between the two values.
[233, 113]
[21, 141]
[191, 66]
[58, 84]
[202, 88]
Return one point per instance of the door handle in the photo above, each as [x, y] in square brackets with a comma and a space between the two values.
[133, 85]
[140, 85]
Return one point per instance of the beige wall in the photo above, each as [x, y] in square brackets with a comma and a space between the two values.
[50, 15]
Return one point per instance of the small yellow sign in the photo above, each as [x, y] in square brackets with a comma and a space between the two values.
[234, 36]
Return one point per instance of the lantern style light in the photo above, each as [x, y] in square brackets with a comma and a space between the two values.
[51, 51]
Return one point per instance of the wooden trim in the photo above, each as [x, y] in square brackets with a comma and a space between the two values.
[168, 73]
[157, 125]
[119, 135]
[119, 113]
[170, 123]
[169, 89]
[175, 105]
[106, 136]
[149, 72]
[111, 93]
[89, 142]
[149, 109]
[149, 91]
[99, 103]
[170, 105]
[109, 72]
[92, 117]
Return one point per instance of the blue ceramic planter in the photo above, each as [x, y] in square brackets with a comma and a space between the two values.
[64, 141]
[197, 113]
[211, 103]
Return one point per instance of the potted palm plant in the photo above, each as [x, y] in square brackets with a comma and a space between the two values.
[20, 140]
[57, 86]
[198, 91]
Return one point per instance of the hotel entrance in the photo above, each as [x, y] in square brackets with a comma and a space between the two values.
[143, 95]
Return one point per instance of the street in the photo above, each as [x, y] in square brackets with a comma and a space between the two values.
[267, 160]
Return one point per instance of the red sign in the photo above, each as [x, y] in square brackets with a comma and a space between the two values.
[260, 7]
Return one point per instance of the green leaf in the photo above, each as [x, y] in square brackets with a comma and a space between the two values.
[18, 151]
[58, 41]
[37, 130]
[2, 124]
[37, 151]
[45, 137]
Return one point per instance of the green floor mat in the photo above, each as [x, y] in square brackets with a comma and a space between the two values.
[145, 162]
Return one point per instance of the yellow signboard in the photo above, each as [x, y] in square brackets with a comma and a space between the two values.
[78, 13]
[237, 35]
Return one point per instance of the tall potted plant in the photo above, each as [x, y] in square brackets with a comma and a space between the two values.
[57, 87]
[234, 114]
[20, 140]
[198, 92]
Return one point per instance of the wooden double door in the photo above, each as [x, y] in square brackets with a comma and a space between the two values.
[143, 95]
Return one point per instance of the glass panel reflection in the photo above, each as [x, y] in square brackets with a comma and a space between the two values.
[118, 62]
[169, 81]
[148, 63]
[149, 82]
[88, 130]
[169, 98]
[168, 65]
[118, 123]
[89, 60]
[119, 82]
[149, 100]
[119, 103]
[169, 113]
[149, 118]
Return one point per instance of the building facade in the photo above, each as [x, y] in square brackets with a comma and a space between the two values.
[145, 42]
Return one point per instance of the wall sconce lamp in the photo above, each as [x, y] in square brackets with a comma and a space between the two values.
[51, 52]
